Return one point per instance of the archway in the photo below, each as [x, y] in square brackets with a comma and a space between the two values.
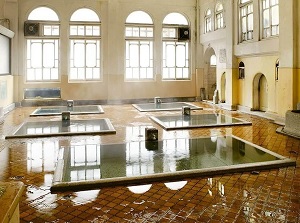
[260, 93]
[210, 80]
[223, 88]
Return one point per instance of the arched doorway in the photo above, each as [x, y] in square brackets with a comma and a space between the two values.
[223, 88]
[210, 79]
[260, 93]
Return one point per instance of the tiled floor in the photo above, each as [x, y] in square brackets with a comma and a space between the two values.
[265, 196]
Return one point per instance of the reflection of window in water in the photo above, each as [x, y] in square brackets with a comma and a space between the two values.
[87, 156]
[175, 150]
[42, 130]
[42, 156]
[138, 159]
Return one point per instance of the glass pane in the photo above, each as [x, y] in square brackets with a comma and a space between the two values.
[180, 56]
[73, 30]
[139, 17]
[250, 22]
[85, 15]
[170, 55]
[36, 55]
[169, 32]
[79, 54]
[266, 17]
[47, 30]
[91, 55]
[48, 55]
[175, 18]
[89, 30]
[145, 55]
[43, 14]
[134, 55]
[96, 30]
[275, 15]
[80, 31]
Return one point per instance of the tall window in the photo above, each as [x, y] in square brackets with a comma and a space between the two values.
[176, 35]
[270, 17]
[246, 19]
[41, 31]
[139, 46]
[84, 46]
[208, 21]
[219, 16]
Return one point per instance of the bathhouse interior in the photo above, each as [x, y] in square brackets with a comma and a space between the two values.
[149, 111]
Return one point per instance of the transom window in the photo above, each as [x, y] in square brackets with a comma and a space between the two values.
[42, 31]
[246, 19]
[208, 21]
[219, 16]
[139, 46]
[85, 34]
[270, 17]
[176, 36]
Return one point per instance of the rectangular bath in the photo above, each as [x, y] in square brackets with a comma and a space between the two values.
[75, 110]
[34, 129]
[173, 106]
[89, 166]
[173, 122]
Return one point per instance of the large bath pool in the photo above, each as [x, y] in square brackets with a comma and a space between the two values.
[164, 106]
[172, 122]
[75, 110]
[32, 129]
[83, 167]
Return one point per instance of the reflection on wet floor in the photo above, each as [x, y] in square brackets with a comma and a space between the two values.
[74, 110]
[253, 196]
[173, 122]
[91, 166]
[165, 106]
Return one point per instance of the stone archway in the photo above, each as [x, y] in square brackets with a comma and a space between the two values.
[210, 79]
[260, 93]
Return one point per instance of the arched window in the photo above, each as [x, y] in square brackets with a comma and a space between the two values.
[270, 18]
[176, 37]
[139, 46]
[208, 21]
[277, 70]
[246, 20]
[85, 47]
[241, 70]
[219, 16]
[41, 31]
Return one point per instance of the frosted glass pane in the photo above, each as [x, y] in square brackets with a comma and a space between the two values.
[48, 55]
[144, 55]
[85, 15]
[175, 18]
[170, 55]
[43, 14]
[180, 56]
[91, 55]
[36, 55]
[139, 17]
[79, 53]
[134, 55]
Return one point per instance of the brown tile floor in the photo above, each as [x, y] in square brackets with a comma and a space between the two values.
[268, 196]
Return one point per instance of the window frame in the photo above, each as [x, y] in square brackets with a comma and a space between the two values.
[219, 17]
[267, 32]
[208, 21]
[144, 73]
[43, 37]
[248, 34]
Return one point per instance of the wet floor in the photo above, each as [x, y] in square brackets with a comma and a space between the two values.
[256, 196]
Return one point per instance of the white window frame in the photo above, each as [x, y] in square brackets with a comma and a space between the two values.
[219, 17]
[139, 64]
[38, 68]
[86, 34]
[272, 28]
[208, 21]
[246, 15]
